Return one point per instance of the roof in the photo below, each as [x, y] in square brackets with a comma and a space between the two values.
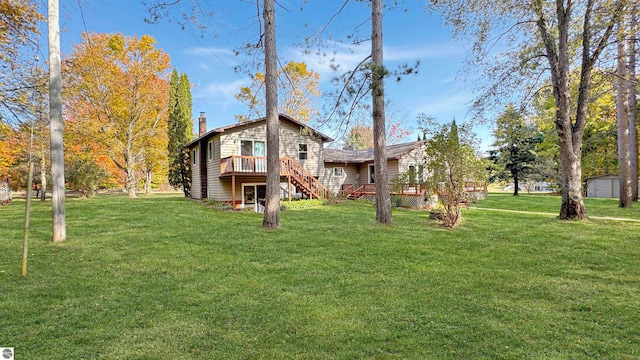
[394, 152]
[282, 117]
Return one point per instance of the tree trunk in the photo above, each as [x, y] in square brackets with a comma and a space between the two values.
[59, 225]
[147, 182]
[633, 106]
[622, 109]
[271, 218]
[516, 185]
[383, 197]
[43, 176]
[184, 170]
[131, 179]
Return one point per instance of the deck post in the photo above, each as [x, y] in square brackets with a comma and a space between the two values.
[233, 192]
[289, 187]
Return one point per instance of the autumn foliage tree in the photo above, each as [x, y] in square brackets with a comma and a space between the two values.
[118, 89]
[298, 91]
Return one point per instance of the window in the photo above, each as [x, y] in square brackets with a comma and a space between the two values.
[252, 148]
[210, 151]
[302, 151]
[194, 157]
[338, 171]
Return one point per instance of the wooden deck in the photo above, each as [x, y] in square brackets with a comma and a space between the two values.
[349, 190]
[296, 174]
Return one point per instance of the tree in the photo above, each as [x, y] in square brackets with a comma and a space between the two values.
[599, 149]
[360, 137]
[124, 81]
[19, 22]
[85, 174]
[55, 126]
[633, 107]
[7, 150]
[515, 145]
[450, 162]
[544, 38]
[378, 72]
[298, 90]
[622, 106]
[271, 218]
[180, 129]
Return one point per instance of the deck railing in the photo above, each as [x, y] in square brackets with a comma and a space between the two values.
[257, 165]
[243, 164]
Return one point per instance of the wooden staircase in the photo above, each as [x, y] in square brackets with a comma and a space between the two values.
[302, 179]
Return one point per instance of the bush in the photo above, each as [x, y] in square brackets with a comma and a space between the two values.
[300, 204]
[217, 205]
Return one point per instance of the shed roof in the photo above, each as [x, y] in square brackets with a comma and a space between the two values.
[394, 152]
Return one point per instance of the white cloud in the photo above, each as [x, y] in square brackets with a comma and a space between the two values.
[348, 56]
[207, 51]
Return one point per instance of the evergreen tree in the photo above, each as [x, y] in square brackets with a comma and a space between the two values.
[515, 146]
[180, 130]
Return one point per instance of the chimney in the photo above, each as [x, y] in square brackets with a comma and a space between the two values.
[202, 122]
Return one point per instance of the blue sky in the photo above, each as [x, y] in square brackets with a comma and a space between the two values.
[410, 33]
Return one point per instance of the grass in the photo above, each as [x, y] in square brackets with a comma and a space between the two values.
[551, 203]
[164, 277]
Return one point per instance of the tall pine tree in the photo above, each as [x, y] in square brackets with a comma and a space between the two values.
[180, 130]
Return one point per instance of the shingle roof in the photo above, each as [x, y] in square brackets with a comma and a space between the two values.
[394, 152]
[285, 117]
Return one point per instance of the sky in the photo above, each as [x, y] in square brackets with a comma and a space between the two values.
[439, 89]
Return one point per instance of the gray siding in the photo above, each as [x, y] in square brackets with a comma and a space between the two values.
[334, 183]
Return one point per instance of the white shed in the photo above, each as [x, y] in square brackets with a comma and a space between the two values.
[606, 186]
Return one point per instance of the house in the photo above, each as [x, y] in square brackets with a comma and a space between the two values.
[605, 186]
[348, 170]
[228, 164]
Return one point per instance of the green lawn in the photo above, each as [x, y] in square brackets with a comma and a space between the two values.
[551, 203]
[162, 277]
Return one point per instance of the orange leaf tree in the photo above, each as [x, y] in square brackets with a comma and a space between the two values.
[118, 89]
[298, 91]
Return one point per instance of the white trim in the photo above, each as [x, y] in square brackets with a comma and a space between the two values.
[255, 194]
[305, 152]
[210, 150]
[253, 146]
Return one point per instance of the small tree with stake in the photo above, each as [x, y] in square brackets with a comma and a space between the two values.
[450, 163]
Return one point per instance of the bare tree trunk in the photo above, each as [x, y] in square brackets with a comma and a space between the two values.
[622, 108]
[271, 218]
[570, 130]
[383, 197]
[59, 225]
[147, 182]
[43, 176]
[633, 106]
[516, 185]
